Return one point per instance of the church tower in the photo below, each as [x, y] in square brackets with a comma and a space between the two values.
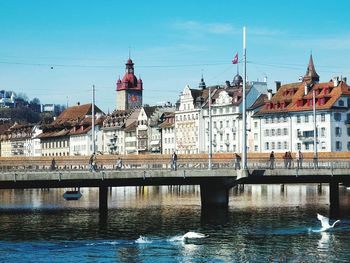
[311, 75]
[129, 89]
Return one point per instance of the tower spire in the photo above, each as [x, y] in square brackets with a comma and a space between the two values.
[311, 74]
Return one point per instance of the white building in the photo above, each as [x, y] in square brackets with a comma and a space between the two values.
[168, 133]
[187, 120]
[286, 122]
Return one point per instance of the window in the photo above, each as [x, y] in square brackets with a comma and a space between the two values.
[323, 132]
[285, 131]
[279, 145]
[341, 103]
[323, 117]
[337, 131]
[267, 146]
[221, 125]
[255, 136]
[348, 146]
[306, 118]
[273, 132]
[256, 148]
[323, 145]
[273, 145]
[348, 131]
[267, 133]
[299, 146]
[278, 132]
[214, 124]
[337, 116]
[307, 146]
[227, 124]
[255, 124]
[285, 145]
[298, 119]
[338, 145]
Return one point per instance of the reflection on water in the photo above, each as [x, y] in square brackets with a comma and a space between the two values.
[262, 222]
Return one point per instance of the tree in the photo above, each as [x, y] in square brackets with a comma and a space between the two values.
[35, 101]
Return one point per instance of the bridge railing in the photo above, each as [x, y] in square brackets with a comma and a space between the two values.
[162, 163]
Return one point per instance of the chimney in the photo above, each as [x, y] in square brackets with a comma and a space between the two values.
[278, 85]
[269, 94]
[78, 103]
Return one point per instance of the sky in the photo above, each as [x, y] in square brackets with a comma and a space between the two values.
[56, 50]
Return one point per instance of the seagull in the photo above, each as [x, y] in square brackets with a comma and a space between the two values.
[190, 234]
[325, 222]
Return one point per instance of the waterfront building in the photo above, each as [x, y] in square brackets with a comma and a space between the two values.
[286, 121]
[113, 131]
[17, 140]
[187, 120]
[55, 138]
[226, 122]
[143, 129]
[35, 142]
[129, 89]
[168, 133]
[80, 135]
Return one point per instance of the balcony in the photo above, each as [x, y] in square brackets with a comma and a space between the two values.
[306, 136]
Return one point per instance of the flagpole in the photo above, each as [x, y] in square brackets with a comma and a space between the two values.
[244, 121]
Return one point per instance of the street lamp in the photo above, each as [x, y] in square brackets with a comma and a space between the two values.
[315, 157]
[315, 129]
[210, 132]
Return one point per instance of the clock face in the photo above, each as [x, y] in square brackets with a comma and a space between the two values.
[134, 99]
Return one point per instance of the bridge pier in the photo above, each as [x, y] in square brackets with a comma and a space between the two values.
[334, 196]
[214, 195]
[103, 200]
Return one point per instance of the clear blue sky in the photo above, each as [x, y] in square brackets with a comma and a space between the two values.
[171, 43]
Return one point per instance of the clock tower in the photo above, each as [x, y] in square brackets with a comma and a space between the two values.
[129, 89]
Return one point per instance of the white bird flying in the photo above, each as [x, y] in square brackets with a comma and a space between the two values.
[325, 222]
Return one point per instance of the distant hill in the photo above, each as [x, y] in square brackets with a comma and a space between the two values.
[23, 114]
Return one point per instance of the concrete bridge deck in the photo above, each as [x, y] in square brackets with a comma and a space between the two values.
[214, 184]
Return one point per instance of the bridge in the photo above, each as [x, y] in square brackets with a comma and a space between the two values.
[214, 183]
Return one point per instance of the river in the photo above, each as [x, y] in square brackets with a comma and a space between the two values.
[146, 224]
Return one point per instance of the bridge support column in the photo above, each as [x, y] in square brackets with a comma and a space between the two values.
[214, 195]
[334, 196]
[103, 199]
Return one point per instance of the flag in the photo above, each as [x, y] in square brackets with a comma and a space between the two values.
[235, 59]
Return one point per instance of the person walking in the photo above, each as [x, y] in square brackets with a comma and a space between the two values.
[289, 160]
[53, 164]
[272, 160]
[237, 162]
[299, 156]
[285, 160]
[174, 161]
[119, 164]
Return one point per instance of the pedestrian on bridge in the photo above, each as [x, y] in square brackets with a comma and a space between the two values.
[299, 156]
[174, 161]
[92, 163]
[289, 160]
[119, 164]
[53, 164]
[272, 160]
[237, 162]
